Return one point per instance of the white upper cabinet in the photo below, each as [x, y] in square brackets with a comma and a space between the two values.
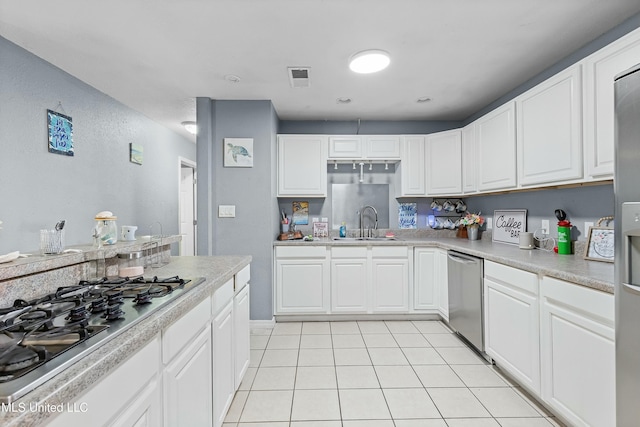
[346, 147]
[302, 166]
[444, 163]
[599, 71]
[469, 159]
[496, 144]
[367, 147]
[549, 130]
[382, 147]
[412, 172]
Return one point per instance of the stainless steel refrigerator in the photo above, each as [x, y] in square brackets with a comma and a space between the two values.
[627, 245]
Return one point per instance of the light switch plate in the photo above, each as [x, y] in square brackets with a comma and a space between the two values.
[226, 211]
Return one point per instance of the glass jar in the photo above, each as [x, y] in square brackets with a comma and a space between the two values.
[131, 264]
[106, 231]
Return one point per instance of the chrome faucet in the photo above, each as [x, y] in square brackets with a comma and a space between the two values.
[362, 221]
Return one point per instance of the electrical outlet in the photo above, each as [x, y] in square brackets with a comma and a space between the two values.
[587, 224]
[489, 223]
[544, 228]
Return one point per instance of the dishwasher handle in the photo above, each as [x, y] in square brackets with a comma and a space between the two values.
[461, 260]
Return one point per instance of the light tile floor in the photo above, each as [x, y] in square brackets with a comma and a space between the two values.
[375, 374]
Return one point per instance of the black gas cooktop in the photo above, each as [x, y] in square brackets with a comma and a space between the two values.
[42, 337]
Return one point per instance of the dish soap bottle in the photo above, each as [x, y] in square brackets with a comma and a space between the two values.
[343, 229]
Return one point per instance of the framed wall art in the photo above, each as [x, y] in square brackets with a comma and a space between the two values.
[135, 153]
[600, 245]
[508, 224]
[238, 152]
[60, 133]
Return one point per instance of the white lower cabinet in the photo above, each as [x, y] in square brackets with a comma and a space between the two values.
[223, 368]
[187, 384]
[511, 329]
[302, 280]
[578, 353]
[425, 290]
[241, 329]
[442, 283]
[108, 403]
[349, 279]
[390, 279]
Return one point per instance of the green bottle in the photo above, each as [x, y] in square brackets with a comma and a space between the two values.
[564, 237]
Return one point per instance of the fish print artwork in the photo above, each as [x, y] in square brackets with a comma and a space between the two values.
[238, 152]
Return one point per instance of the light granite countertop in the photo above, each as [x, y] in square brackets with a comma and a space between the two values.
[72, 382]
[572, 268]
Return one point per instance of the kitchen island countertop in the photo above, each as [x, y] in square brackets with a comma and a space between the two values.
[71, 383]
[572, 268]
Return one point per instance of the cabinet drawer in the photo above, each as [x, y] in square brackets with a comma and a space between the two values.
[222, 296]
[350, 252]
[183, 331]
[300, 252]
[514, 277]
[389, 252]
[597, 303]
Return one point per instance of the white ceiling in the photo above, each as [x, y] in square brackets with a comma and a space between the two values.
[156, 56]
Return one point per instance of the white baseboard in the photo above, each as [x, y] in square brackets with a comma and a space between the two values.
[262, 324]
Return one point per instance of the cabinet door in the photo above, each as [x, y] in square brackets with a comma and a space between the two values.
[578, 353]
[390, 285]
[223, 371]
[444, 163]
[145, 410]
[241, 334]
[424, 283]
[345, 147]
[302, 286]
[549, 127]
[600, 69]
[349, 279]
[126, 404]
[382, 147]
[302, 166]
[187, 384]
[469, 159]
[442, 283]
[512, 322]
[412, 167]
[496, 144]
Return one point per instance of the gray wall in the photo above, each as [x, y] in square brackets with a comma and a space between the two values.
[38, 188]
[251, 190]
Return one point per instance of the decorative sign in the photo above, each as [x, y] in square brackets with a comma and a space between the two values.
[60, 133]
[300, 213]
[320, 229]
[238, 152]
[600, 244]
[508, 224]
[407, 215]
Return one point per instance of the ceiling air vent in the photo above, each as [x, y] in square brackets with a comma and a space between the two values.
[299, 76]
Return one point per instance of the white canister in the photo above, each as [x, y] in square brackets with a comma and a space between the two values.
[129, 232]
[526, 240]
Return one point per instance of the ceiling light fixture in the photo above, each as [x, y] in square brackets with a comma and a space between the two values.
[369, 61]
[343, 100]
[232, 78]
[423, 100]
[191, 127]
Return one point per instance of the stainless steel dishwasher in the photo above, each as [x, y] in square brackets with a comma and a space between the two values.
[466, 297]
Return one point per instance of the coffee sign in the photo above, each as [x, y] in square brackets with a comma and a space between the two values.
[508, 224]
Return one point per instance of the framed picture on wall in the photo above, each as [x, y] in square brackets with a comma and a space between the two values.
[238, 152]
[60, 133]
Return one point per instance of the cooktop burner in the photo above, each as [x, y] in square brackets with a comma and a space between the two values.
[39, 338]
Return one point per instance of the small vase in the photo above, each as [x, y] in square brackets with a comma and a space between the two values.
[472, 232]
